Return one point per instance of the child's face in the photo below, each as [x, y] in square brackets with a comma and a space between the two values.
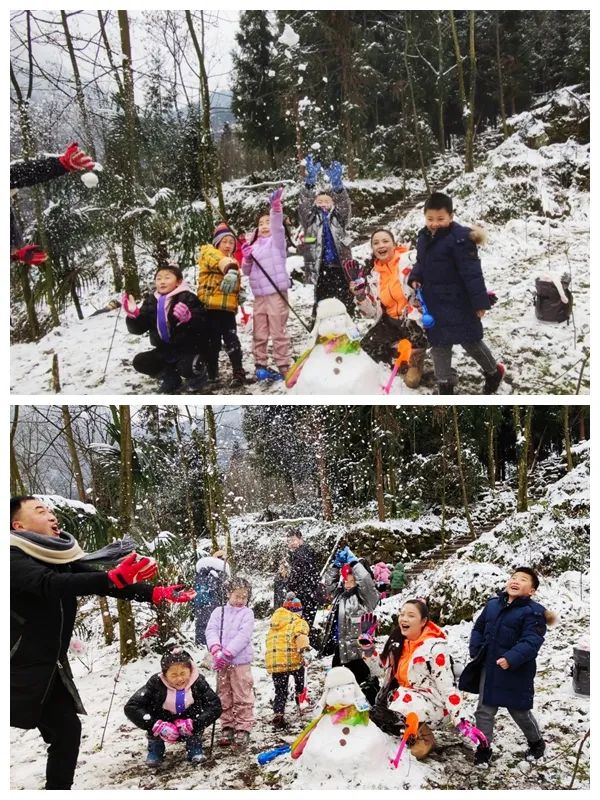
[383, 246]
[264, 225]
[436, 218]
[349, 582]
[178, 675]
[226, 245]
[166, 281]
[520, 584]
[410, 622]
[238, 598]
[324, 201]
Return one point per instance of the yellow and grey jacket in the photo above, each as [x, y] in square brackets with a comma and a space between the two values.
[287, 636]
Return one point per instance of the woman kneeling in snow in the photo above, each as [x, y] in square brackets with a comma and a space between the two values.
[419, 679]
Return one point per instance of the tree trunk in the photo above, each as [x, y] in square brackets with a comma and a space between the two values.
[414, 107]
[463, 486]
[440, 86]
[462, 95]
[522, 435]
[214, 486]
[115, 266]
[379, 489]
[491, 444]
[581, 434]
[500, 81]
[127, 636]
[16, 483]
[567, 437]
[87, 130]
[470, 137]
[321, 460]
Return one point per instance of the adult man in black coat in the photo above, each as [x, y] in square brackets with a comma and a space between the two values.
[46, 578]
[304, 579]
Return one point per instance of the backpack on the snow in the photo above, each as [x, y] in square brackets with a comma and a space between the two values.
[553, 299]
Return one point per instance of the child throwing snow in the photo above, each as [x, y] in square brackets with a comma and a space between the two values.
[219, 291]
[287, 643]
[265, 262]
[176, 704]
[228, 638]
[504, 644]
[176, 322]
[449, 271]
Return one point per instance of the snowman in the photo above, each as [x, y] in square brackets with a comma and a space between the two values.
[335, 363]
[341, 747]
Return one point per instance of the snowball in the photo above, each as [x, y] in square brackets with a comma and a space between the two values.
[289, 37]
[98, 167]
[271, 73]
[146, 716]
[90, 180]
[315, 146]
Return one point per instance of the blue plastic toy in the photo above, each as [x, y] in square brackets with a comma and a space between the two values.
[428, 320]
[269, 755]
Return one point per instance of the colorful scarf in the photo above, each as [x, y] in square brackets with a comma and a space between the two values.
[163, 303]
[333, 344]
[177, 700]
[341, 715]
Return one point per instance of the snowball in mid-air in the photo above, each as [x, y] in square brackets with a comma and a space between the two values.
[315, 146]
[289, 37]
[89, 179]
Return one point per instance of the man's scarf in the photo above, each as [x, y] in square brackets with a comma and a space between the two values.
[64, 548]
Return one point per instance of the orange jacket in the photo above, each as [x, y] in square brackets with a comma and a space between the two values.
[430, 631]
[391, 293]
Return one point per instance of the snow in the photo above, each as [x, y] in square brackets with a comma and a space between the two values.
[289, 37]
[89, 179]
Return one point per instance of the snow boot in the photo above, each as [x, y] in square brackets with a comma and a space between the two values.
[156, 752]
[535, 750]
[170, 382]
[445, 388]
[278, 722]
[193, 746]
[226, 737]
[241, 740]
[493, 381]
[483, 756]
[414, 373]
[424, 742]
[266, 374]
[240, 378]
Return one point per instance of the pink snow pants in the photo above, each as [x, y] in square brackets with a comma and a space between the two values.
[235, 687]
[270, 320]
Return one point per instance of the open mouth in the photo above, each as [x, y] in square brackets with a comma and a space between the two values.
[55, 529]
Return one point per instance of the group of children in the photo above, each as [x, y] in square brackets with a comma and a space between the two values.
[177, 704]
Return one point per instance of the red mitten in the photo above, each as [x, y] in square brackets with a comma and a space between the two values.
[172, 594]
[74, 159]
[130, 571]
[31, 254]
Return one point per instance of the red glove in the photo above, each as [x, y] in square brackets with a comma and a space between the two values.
[130, 570]
[73, 159]
[182, 313]
[172, 594]
[185, 727]
[31, 254]
[167, 731]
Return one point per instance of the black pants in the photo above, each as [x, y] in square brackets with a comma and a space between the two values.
[186, 363]
[281, 681]
[309, 612]
[381, 342]
[332, 282]
[61, 729]
[221, 326]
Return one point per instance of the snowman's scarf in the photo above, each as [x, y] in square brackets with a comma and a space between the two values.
[346, 715]
[340, 343]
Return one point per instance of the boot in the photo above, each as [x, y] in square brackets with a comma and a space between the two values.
[483, 756]
[424, 743]
[279, 722]
[240, 378]
[242, 740]
[193, 746]
[445, 388]
[493, 381]
[414, 373]
[170, 382]
[156, 751]
[535, 750]
[226, 737]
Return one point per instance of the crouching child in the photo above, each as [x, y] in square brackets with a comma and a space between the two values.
[176, 704]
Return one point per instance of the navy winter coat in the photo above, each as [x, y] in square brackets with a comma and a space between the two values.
[188, 336]
[514, 631]
[449, 271]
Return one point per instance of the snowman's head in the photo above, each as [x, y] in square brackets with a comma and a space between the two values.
[341, 689]
[332, 318]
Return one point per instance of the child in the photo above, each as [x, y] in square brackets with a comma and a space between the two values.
[504, 644]
[219, 290]
[449, 271]
[175, 320]
[229, 640]
[176, 704]
[392, 300]
[381, 574]
[268, 249]
[287, 641]
[398, 578]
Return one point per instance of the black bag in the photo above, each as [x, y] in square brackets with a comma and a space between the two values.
[549, 306]
[471, 675]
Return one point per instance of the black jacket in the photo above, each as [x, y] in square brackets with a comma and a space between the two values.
[145, 707]
[184, 336]
[29, 173]
[304, 578]
[43, 605]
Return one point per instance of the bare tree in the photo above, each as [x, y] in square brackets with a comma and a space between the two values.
[127, 638]
[461, 474]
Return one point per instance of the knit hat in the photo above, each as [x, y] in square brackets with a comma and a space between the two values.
[346, 570]
[176, 656]
[221, 231]
[292, 603]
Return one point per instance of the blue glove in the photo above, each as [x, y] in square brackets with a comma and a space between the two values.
[312, 170]
[334, 173]
[344, 556]
[229, 282]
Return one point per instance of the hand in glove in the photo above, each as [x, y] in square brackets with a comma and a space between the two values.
[182, 313]
[492, 297]
[229, 282]
[312, 170]
[73, 159]
[166, 731]
[172, 594]
[31, 254]
[221, 659]
[129, 305]
[368, 629]
[275, 200]
[344, 556]
[130, 571]
[334, 173]
[247, 251]
[184, 726]
[469, 731]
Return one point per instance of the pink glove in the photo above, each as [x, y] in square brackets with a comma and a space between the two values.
[221, 660]
[185, 727]
[182, 313]
[214, 649]
[73, 159]
[129, 306]
[247, 251]
[469, 731]
[130, 570]
[166, 731]
[275, 200]
[172, 594]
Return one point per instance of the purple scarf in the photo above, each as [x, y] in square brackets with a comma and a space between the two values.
[177, 700]
[162, 310]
